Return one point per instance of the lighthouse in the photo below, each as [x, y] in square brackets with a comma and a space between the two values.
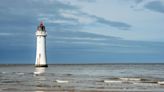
[41, 58]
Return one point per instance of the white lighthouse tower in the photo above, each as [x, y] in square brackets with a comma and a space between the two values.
[41, 58]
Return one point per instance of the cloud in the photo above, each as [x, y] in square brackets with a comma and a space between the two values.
[78, 36]
[82, 43]
[71, 14]
[152, 5]
[89, 1]
[16, 12]
[156, 6]
[88, 42]
[20, 21]
[83, 18]
[138, 1]
[116, 24]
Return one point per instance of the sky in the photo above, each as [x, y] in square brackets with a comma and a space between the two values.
[83, 31]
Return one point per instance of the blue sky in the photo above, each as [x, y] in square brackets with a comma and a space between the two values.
[83, 31]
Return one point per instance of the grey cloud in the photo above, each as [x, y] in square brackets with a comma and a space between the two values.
[116, 24]
[134, 1]
[74, 10]
[156, 6]
[81, 35]
[78, 41]
[24, 15]
[138, 1]
[31, 8]
[119, 25]
[20, 18]
[89, 41]
[90, 1]
[23, 20]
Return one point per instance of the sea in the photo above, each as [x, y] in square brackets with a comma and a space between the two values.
[82, 78]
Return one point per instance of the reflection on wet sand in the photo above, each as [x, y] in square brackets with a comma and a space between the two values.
[44, 82]
[40, 79]
[39, 70]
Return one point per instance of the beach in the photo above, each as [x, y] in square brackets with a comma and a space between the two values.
[83, 78]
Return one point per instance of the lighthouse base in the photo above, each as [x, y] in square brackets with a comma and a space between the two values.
[45, 65]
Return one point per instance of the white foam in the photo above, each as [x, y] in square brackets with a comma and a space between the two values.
[20, 73]
[61, 81]
[130, 79]
[144, 84]
[112, 81]
[161, 82]
[37, 73]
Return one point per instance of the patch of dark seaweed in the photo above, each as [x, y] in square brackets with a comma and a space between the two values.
[10, 89]
[148, 81]
[9, 81]
[100, 81]
[145, 79]
[114, 78]
[153, 82]
[67, 74]
[42, 85]
[57, 86]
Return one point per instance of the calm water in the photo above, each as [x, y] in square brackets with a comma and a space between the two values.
[83, 78]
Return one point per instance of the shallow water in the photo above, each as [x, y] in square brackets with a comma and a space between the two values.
[82, 78]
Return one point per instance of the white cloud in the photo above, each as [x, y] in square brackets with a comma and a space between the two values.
[75, 15]
[80, 38]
